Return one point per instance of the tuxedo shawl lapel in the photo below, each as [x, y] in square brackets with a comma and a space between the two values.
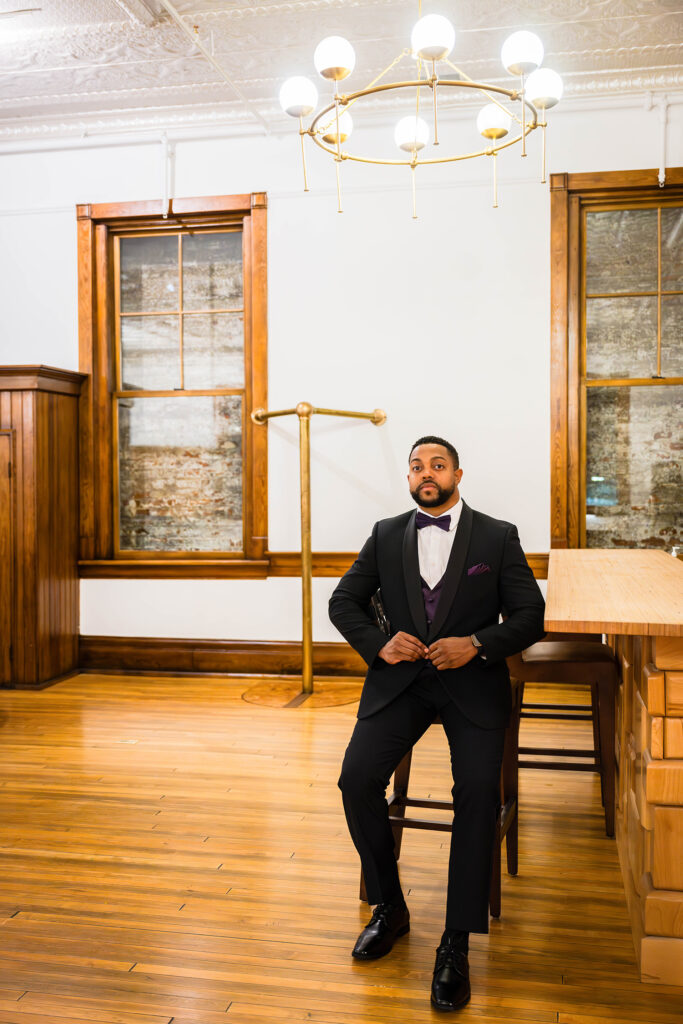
[411, 576]
[456, 564]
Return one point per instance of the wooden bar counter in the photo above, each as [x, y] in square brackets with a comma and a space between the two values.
[635, 596]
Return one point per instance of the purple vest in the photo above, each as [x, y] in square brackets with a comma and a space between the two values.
[431, 599]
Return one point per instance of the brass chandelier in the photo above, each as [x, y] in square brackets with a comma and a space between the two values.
[432, 41]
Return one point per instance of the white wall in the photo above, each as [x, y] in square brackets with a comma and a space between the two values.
[442, 321]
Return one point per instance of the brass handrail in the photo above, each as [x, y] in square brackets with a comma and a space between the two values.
[304, 411]
[377, 416]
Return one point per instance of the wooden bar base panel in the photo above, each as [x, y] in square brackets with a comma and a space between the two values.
[649, 746]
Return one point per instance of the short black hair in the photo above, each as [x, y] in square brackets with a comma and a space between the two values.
[432, 439]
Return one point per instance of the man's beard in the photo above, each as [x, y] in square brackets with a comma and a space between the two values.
[441, 497]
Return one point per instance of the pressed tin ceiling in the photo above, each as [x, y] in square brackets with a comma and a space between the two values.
[79, 66]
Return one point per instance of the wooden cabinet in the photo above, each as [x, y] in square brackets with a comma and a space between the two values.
[38, 524]
[6, 559]
[636, 596]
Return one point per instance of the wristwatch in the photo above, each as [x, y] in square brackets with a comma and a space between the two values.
[477, 643]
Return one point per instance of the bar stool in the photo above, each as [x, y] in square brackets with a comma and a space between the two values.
[507, 825]
[574, 662]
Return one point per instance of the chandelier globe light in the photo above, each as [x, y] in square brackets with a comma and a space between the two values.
[411, 134]
[544, 88]
[341, 129]
[433, 37]
[505, 121]
[298, 96]
[334, 58]
[493, 121]
[522, 52]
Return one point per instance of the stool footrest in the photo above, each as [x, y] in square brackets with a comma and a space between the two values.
[561, 707]
[507, 816]
[434, 826]
[560, 766]
[408, 801]
[556, 714]
[559, 752]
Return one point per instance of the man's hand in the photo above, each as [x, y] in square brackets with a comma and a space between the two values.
[451, 652]
[403, 647]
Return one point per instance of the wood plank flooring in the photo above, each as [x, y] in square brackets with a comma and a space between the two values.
[169, 852]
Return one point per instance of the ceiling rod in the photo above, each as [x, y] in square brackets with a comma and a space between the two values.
[194, 37]
[139, 12]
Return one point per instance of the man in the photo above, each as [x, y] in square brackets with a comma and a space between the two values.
[445, 573]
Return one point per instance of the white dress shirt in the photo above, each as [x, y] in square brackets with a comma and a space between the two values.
[434, 545]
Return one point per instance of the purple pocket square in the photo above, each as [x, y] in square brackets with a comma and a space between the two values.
[477, 570]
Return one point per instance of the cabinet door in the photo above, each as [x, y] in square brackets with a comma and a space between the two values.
[6, 559]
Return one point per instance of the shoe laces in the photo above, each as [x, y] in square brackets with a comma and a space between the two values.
[448, 956]
[381, 912]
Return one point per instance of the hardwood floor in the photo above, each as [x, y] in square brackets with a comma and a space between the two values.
[169, 852]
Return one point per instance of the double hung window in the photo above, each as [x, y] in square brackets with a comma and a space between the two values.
[173, 327]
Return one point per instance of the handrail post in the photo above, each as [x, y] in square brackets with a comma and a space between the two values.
[304, 411]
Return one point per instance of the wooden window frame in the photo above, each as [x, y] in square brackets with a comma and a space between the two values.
[570, 196]
[98, 225]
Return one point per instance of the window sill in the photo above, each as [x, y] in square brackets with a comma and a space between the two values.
[174, 569]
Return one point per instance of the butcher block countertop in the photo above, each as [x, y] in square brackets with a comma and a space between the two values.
[629, 591]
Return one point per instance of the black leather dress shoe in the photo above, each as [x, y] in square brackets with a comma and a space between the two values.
[451, 982]
[388, 921]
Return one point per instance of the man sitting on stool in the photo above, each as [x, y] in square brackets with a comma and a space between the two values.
[445, 573]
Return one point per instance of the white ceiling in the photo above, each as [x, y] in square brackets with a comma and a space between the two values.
[84, 65]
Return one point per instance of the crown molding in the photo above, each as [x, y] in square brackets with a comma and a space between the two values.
[227, 121]
[142, 74]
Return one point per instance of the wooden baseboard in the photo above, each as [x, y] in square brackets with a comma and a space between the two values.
[42, 684]
[156, 654]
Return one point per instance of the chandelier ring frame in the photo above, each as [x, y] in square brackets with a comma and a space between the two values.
[346, 99]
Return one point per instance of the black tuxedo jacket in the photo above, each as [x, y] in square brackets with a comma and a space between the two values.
[469, 603]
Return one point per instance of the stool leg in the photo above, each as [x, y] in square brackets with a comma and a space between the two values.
[595, 718]
[397, 802]
[494, 891]
[606, 716]
[363, 894]
[511, 776]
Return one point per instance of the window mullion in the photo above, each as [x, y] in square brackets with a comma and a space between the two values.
[117, 312]
[180, 309]
[659, 291]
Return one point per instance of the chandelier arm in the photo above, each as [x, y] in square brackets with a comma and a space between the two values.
[374, 82]
[494, 157]
[347, 98]
[543, 126]
[336, 115]
[395, 61]
[342, 98]
[512, 94]
[423, 163]
[302, 132]
[493, 99]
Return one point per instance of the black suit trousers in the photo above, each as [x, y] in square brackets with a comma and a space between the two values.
[377, 745]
